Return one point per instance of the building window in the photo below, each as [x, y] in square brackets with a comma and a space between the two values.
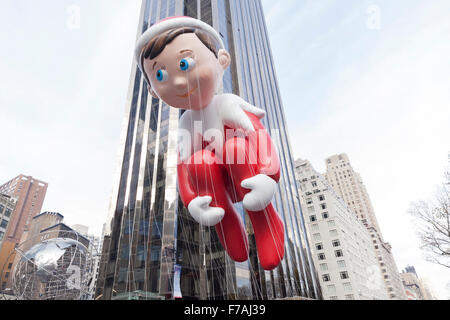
[344, 275]
[317, 237]
[323, 206]
[323, 267]
[325, 215]
[314, 184]
[333, 298]
[321, 198]
[326, 278]
[333, 233]
[349, 297]
[309, 201]
[313, 218]
[347, 286]
[315, 227]
[319, 246]
[336, 243]
[331, 223]
[341, 264]
[339, 253]
[321, 256]
[331, 289]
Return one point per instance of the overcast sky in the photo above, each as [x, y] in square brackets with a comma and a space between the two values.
[368, 78]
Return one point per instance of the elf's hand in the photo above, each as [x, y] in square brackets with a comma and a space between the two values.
[204, 214]
[262, 188]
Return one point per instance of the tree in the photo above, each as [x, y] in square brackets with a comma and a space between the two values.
[433, 219]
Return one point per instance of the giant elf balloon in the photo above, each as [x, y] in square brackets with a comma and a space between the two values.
[225, 155]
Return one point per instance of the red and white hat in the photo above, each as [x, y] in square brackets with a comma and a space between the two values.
[168, 24]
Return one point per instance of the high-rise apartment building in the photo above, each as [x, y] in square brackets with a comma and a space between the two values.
[351, 189]
[7, 206]
[30, 194]
[151, 238]
[341, 244]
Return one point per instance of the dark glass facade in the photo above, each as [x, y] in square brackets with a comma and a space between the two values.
[150, 235]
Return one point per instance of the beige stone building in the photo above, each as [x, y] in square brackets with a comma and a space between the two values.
[350, 187]
[341, 245]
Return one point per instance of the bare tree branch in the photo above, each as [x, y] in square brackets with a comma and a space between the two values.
[433, 229]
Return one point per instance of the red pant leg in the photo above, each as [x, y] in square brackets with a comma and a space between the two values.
[267, 224]
[208, 180]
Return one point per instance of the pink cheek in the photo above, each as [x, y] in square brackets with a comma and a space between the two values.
[204, 74]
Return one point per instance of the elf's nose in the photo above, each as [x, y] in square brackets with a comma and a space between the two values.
[180, 83]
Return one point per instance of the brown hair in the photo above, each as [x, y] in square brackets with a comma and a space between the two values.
[157, 45]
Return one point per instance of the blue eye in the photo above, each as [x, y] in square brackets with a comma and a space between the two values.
[186, 64]
[162, 75]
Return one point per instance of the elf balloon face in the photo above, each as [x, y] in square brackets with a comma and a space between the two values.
[186, 74]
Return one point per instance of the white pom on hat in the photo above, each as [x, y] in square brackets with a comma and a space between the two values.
[168, 24]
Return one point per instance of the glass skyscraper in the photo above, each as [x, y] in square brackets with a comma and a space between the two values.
[153, 248]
